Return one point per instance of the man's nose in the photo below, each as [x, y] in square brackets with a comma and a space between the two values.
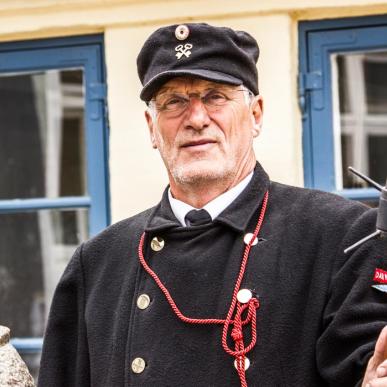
[197, 115]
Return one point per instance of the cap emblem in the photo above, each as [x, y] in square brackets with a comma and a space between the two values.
[182, 32]
[183, 50]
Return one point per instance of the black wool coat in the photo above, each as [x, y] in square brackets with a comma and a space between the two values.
[318, 319]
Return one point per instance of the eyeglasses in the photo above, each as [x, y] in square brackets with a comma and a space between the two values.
[176, 103]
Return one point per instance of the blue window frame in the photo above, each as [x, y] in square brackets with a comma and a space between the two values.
[318, 41]
[85, 53]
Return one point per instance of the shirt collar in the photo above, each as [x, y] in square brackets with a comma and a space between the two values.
[214, 207]
[236, 215]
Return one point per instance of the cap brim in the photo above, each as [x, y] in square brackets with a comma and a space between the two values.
[157, 81]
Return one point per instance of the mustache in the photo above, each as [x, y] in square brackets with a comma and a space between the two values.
[199, 138]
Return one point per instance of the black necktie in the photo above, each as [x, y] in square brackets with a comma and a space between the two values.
[197, 218]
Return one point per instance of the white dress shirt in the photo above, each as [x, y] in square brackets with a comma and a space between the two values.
[214, 207]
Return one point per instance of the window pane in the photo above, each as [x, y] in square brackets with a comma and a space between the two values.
[35, 247]
[362, 122]
[42, 134]
[377, 159]
[343, 87]
[375, 67]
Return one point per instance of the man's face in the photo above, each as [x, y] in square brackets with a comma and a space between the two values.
[205, 137]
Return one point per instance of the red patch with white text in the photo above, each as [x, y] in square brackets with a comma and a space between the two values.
[380, 276]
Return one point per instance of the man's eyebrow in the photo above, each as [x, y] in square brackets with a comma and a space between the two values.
[208, 86]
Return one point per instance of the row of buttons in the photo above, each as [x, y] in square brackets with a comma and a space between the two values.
[143, 301]
[138, 364]
[158, 243]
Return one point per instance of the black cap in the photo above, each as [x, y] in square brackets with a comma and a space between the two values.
[198, 50]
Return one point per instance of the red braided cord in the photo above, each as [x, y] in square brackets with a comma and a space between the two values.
[237, 333]
[240, 351]
[239, 281]
[168, 295]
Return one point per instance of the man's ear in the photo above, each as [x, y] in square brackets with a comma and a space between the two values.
[257, 114]
[149, 121]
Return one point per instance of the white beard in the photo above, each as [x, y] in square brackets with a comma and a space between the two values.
[194, 174]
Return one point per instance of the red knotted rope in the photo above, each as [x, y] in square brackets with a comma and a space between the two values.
[238, 322]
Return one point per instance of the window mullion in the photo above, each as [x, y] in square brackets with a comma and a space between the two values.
[22, 205]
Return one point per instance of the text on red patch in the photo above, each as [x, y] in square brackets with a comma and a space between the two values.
[380, 276]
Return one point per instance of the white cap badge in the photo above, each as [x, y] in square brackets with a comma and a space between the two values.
[182, 32]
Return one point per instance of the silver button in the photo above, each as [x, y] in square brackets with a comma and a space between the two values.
[247, 239]
[182, 32]
[143, 301]
[157, 244]
[138, 365]
[244, 296]
[247, 363]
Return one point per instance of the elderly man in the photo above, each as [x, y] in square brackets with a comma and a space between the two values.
[231, 279]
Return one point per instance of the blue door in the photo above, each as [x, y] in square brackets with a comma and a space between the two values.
[53, 175]
[343, 98]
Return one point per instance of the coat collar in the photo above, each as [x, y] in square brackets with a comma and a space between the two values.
[237, 215]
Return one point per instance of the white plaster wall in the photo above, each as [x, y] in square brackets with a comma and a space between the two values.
[278, 147]
[31, 18]
[136, 171]
[137, 174]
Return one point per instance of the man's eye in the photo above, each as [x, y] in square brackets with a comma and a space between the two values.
[216, 97]
[174, 102]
